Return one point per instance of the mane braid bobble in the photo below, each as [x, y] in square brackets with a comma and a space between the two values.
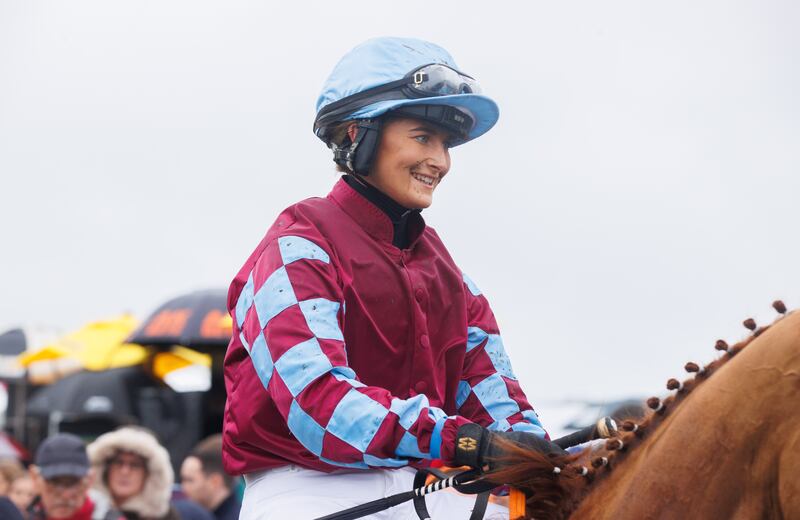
[655, 404]
[674, 384]
[694, 368]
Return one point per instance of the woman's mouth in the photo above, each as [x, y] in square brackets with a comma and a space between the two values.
[424, 179]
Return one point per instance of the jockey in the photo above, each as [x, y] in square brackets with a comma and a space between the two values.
[358, 344]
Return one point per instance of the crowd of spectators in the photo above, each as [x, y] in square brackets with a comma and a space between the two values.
[125, 474]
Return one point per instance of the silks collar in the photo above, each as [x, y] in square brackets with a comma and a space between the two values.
[378, 214]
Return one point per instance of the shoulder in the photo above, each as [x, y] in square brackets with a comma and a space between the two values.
[431, 237]
[185, 509]
[436, 247]
[299, 232]
[229, 508]
[113, 514]
[307, 218]
[314, 209]
[9, 510]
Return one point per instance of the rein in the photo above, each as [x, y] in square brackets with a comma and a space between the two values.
[464, 482]
[467, 482]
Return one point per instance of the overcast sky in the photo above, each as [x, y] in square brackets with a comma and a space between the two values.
[636, 201]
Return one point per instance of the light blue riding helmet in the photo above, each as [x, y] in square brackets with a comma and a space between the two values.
[406, 76]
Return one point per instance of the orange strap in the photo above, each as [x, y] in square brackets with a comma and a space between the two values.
[516, 504]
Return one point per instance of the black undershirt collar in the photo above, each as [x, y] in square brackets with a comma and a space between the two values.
[398, 214]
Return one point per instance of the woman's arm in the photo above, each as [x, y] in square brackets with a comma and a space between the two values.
[489, 392]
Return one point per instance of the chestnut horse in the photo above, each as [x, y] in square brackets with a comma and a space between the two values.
[725, 445]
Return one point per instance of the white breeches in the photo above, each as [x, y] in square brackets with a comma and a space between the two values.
[297, 493]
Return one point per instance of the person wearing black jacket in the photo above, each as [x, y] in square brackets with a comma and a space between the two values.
[203, 479]
[8, 510]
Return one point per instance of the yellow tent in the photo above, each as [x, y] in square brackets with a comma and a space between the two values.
[99, 345]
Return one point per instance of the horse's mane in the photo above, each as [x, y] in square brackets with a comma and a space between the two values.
[555, 485]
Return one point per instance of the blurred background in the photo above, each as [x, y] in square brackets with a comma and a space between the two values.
[635, 202]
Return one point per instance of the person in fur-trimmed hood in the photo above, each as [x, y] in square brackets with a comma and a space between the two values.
[134, 471]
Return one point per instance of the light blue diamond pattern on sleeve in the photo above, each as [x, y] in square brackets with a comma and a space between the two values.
[528, 427]
[497, 353]
[347, 375]
[262, 361]
[500, 426]
[306, 429]
[471, 285]
[298, 248]
[531, 417]
[533, 421]
[302, 364]
[493, 395]
[408, 447]
[245, 301]
[436, 438]
[356, 419]
[437, 414]
[475, 337]
[245, 344]
[321, 318]
[408, 410]
[462, 393]
[274, 296]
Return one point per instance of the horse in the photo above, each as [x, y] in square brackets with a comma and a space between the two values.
[725, 444]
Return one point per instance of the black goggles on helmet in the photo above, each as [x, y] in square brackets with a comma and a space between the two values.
[430, 80]
[441, 80]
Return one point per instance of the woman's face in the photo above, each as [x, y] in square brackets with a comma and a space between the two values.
[412, 159]
[127, 473]
[22, 492]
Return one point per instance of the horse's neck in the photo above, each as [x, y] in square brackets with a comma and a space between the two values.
[720, 452]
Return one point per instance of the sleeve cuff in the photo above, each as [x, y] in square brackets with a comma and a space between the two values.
[443, 439]
[436, 439]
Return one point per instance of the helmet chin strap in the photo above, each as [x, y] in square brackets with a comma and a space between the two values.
[360, 153]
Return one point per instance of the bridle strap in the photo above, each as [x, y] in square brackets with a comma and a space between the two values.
[465, 482]
[481, 499]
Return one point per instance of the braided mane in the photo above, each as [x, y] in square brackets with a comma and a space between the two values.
[555, 485]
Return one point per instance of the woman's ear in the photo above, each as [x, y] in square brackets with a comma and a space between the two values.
[352, 132]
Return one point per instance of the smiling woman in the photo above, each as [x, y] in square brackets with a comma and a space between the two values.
[359, 347]
[134, 471]
[413, 158]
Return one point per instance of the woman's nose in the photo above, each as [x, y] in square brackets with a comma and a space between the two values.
[440, 158]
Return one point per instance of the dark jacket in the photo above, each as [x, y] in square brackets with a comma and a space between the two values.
[8, 511]
[188, 510]
[229, 508]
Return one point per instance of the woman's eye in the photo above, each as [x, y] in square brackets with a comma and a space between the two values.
[422, 139]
